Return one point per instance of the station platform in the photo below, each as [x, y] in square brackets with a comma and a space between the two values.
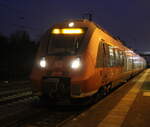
[128, 106]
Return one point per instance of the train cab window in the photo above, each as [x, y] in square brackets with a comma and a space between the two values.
[63, 44]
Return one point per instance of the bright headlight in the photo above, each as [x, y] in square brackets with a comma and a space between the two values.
[43, 62]
[75, 64]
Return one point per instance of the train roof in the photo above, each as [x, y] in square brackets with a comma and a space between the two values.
[87, 23]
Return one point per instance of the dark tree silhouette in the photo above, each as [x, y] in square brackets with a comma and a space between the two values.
[3, 56]
[18, 53]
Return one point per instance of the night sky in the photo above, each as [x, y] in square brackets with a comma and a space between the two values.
[128, 19]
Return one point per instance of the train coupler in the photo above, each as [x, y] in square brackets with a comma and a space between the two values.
[56, 87]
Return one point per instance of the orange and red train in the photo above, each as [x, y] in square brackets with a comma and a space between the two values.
[79, 59]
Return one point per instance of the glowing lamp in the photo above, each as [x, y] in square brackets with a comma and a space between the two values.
[43, 62]
[76, 63]
[56, 31]
[72, 31]
[71, 24]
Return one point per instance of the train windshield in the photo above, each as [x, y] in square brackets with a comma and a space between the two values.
[64, 44]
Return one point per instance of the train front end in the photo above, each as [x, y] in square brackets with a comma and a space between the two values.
[60, 66]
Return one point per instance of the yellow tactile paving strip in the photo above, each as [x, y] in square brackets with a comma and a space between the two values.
[117, 115]
[146, 94]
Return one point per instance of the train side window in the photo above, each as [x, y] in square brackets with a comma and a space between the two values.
[135, 63]
[121, 57]
[117, 59]
[111, 56]
[129, 63]
[125, 61]
[138, 63]
[106, 55]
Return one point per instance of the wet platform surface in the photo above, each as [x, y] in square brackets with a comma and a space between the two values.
[128, 106]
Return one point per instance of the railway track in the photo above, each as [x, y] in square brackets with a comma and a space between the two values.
[55, 119]
[25, 115]
[15, 91]
[4, 86]
[16, 109]
[47, 117]
[14, 97]
[21, 113]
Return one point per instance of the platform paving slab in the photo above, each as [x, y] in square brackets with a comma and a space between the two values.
[128, 106]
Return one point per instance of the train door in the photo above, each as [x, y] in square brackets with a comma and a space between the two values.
[100, 56]
[105, 72]
[102, 61]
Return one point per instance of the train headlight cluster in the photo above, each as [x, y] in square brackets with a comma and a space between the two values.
[43, 63]
[76, 63]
